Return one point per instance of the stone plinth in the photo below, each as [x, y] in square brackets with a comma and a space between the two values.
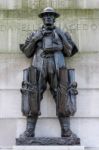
[48, 148]
[73, 140]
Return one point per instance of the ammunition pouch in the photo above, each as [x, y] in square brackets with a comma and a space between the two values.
[72, 90]
[66, 94]
[30, 92]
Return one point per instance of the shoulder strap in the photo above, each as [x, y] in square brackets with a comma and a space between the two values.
[64, 38]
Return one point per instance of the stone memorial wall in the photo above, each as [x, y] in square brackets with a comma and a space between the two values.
[18, 18]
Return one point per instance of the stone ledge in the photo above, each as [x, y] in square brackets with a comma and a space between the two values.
[91, 148]
[48, 148]
[5, 148]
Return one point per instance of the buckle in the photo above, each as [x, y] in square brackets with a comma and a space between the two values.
[46, 55]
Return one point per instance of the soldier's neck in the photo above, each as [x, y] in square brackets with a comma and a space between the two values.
[49, 27]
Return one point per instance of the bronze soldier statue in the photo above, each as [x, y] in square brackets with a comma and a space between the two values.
[48, 46]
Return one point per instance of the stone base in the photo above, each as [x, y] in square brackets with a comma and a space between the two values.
[48, 148]
[48, 141]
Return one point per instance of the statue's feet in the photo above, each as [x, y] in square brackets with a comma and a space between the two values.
[68, 133]
[27, 133]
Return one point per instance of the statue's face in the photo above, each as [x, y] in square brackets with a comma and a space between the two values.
[48, 19]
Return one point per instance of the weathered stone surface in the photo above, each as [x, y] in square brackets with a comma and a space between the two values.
[5, 148]
[86, 73]
[86, 129]
[63, 4]
[88, 34]
[10, 4]
[48, 147]
[10, 104]
[7, 132]
[11, 70]
[91, 148]
[13, 32]
[87, 104]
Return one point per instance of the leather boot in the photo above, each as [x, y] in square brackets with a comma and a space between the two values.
[30, 128]
[65, 127]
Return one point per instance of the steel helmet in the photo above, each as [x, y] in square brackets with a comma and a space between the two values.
[49, 10]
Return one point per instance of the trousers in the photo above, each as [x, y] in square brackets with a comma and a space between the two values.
[48, 75]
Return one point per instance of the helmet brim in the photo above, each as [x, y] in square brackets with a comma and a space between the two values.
[54, 13]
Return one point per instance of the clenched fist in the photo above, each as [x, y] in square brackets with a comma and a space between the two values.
[37, 36]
